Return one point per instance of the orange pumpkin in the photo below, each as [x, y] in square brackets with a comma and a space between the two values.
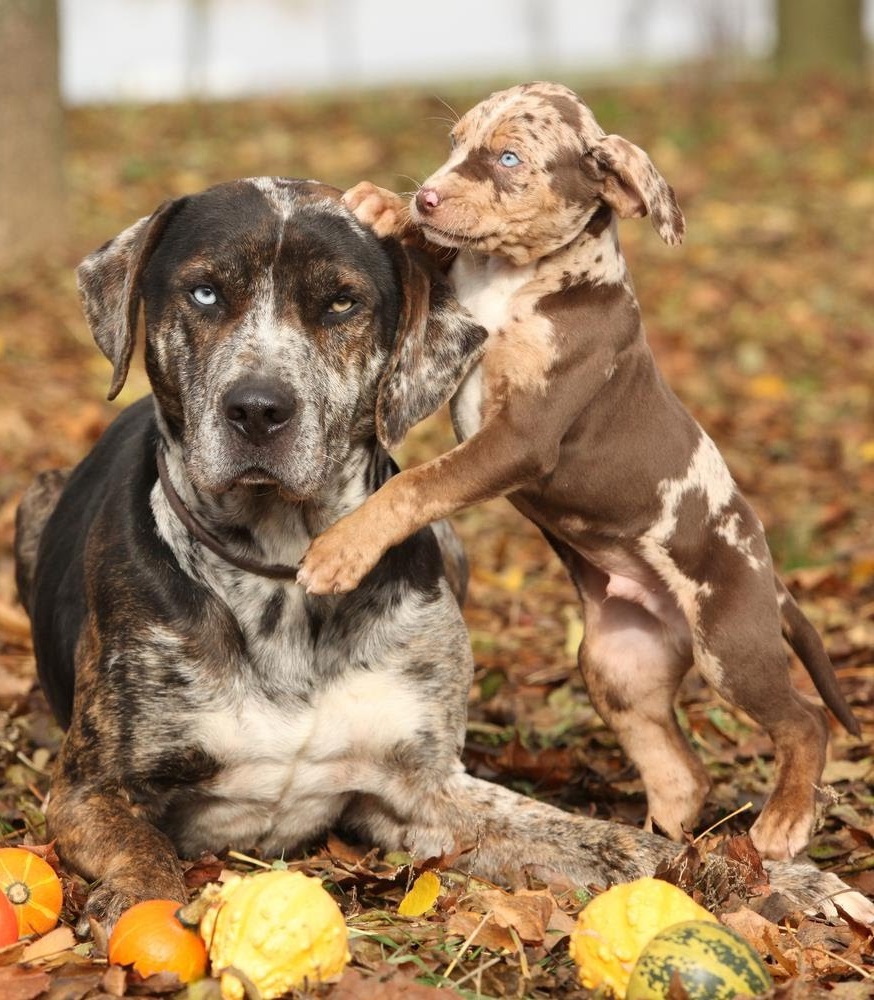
[8, 922]
[33, 889]
[150, 937]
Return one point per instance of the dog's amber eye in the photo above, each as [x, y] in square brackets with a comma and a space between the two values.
[342, 304]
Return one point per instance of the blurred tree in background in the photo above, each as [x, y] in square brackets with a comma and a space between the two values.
[32, 212]
[820, 35]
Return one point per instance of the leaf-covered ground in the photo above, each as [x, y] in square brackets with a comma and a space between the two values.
[763, 322]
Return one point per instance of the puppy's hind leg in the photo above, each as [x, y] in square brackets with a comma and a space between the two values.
[745, 660]
[632, 665]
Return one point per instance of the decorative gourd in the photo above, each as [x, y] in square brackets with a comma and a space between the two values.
[614, 927]
[33, 889]
[280, 929]
[150, 937]
[712, 961]
[8, 922]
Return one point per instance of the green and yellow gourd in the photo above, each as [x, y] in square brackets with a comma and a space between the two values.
[712, 962]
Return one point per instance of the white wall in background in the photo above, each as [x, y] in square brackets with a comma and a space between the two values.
[166, 49]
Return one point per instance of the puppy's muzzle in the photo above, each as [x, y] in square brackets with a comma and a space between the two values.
[259, 410]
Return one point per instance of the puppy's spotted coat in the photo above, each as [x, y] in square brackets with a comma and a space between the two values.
[568, 415]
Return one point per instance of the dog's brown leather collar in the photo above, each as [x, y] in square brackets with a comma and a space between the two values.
[275, 571]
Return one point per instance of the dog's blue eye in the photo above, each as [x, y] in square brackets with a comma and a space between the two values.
[204, 295]
[509, 159]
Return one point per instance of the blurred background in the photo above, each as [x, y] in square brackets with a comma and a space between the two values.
[758, 112]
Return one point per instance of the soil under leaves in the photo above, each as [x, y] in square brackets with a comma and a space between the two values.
[763, 322]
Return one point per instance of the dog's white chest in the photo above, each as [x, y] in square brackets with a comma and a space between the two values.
[288, 771]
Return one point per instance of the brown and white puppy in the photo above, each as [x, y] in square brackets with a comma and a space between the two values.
[568, 415]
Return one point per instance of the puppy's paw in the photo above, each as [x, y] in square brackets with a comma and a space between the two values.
[337, 561]
[779, 837]
[387, 213]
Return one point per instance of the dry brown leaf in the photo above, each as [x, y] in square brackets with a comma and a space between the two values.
[50, 946]
[391, 985]
[20, 983]
[527, 911]
[489, 934]
[764, 936]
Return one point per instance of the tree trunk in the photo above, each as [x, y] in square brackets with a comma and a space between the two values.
[32, 213]
[820, 36]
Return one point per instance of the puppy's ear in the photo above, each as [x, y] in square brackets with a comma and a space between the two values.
[109, 287]
[633, 187]
[436, 343]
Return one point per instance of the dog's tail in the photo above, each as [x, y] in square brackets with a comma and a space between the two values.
[805, 640]
[36, 507]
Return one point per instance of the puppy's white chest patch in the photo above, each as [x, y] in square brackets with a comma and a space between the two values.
[485, 286]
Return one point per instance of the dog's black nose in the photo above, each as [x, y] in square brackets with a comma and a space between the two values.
[427, 199]
[258, 409]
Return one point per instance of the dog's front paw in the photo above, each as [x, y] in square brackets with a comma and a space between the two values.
[387, 213]
[337, 561]
[112, 896]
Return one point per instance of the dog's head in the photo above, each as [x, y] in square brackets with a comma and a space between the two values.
[279, 331]
[529, 168]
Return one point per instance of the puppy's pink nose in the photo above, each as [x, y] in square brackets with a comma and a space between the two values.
[427, 199]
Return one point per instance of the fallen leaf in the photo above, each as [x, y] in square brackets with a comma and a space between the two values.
[50, 945]
[527, 911]
[19, 983]
[421, 897]
[489, 934]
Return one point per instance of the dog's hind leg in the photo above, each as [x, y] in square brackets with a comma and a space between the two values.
[36, 507]
[500, 835]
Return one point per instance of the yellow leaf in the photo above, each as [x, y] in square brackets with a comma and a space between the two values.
[421, 897]
[866, 451]
[574, 629]
[768, 387]
[511, 580]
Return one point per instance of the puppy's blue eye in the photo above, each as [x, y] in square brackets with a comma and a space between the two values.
[204, 295]
[509, 159]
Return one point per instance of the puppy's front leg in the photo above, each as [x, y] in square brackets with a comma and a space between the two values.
[100, 835]
[496, 460]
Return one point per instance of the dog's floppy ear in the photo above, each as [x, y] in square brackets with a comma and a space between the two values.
[436, 343]
[109, 287]
[633, 187]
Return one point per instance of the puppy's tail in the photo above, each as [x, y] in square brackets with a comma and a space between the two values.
[805, 640]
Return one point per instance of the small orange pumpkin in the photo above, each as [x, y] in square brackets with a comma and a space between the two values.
[8, 922]
[150, 937]
[33, 889]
